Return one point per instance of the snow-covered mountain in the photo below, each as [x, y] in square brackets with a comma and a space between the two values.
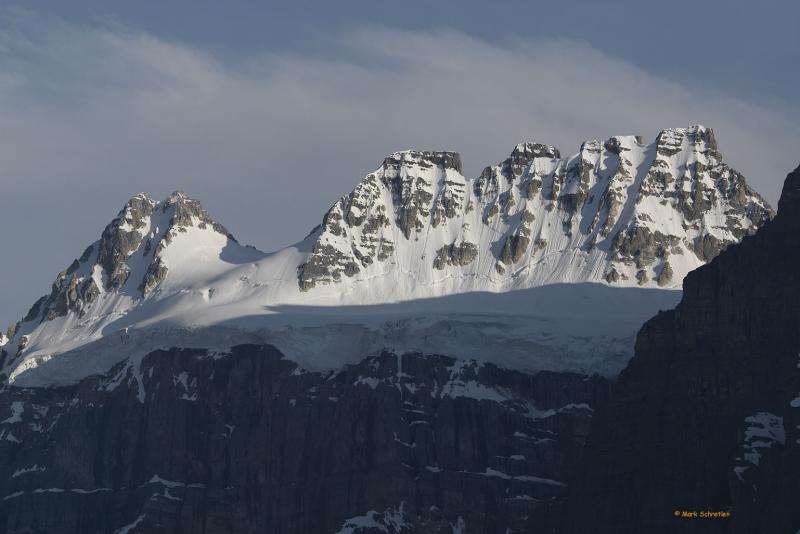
[619, 213]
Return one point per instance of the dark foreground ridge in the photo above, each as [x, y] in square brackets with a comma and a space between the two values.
[247, 442]
[705, 417]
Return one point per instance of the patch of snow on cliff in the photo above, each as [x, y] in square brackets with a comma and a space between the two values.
[763, 430]
[391, 521]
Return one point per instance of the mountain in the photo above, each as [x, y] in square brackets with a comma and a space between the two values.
[429, 359]
[618, 213]
[705, 417]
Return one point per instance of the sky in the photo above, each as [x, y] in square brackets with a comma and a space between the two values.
[268, 112]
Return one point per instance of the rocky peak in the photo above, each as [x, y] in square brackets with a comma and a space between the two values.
[701, 139]
[186, 212]
[523, 156]
[524, 153]
[616, 145]
[423, 158]
[527, 151]
[650, 213]
[120, 238]
[408, 188]
[130, 248]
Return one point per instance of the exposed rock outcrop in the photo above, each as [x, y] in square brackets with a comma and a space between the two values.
[455, 254]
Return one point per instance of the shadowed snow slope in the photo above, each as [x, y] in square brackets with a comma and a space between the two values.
[580, 327]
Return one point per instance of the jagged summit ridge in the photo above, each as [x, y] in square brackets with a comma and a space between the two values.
[619, 211]
[424, 158]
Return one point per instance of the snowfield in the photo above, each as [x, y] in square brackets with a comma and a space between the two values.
[577, 327]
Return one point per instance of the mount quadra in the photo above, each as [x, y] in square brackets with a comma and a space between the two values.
[428, 359]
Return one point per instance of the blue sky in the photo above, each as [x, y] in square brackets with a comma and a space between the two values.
[268, 112]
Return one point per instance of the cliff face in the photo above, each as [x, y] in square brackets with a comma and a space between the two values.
[247, 442]
[706, 415]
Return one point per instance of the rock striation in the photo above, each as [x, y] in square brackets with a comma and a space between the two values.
[192, 441]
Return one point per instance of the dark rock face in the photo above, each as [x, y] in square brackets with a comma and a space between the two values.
[515, 246]
[247, 442]
[665, 276]
[523, 155]
[121, 237]
[327, 264]
[455, 254]
[705, 417]
[71, 294]
[74, 289]
[446, 160]
[642, 247]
